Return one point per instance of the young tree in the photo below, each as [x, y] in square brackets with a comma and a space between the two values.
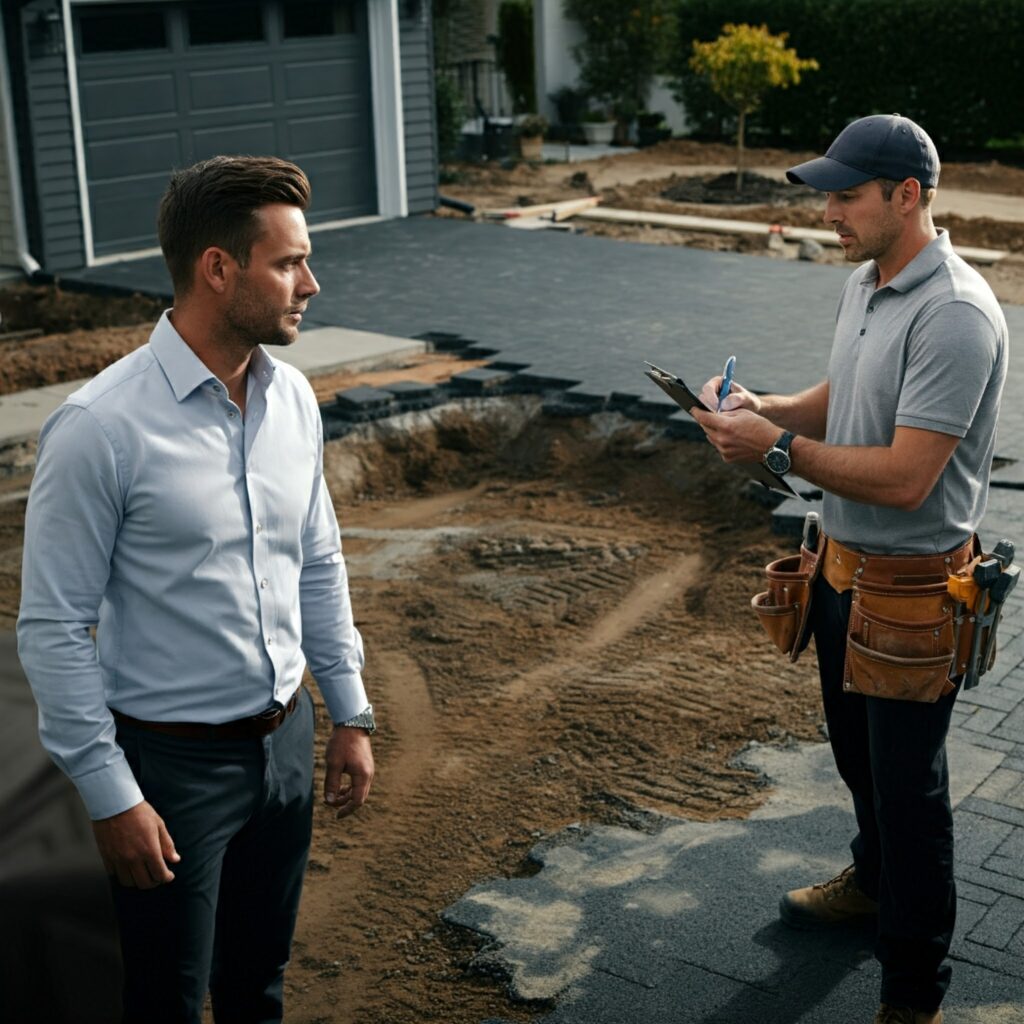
[742, 64]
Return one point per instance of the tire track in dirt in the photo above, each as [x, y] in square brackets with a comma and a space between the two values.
[643, 602]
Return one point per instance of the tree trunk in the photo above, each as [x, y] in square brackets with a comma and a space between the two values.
[739, 150]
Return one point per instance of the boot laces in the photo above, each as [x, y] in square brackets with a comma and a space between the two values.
[842, 884]
[895, 1015]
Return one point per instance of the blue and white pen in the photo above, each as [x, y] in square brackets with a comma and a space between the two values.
[723, 391]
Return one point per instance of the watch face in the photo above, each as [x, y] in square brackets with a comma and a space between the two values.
[777, 460]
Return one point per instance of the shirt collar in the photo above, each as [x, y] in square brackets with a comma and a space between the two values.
[185, 371]
[921, 267]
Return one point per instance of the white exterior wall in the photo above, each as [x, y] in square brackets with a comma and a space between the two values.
[554, 37]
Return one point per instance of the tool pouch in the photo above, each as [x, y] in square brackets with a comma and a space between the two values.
[784, 608]
[901, 641]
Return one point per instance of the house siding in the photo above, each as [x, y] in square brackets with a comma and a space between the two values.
[416, 50]
[60, 243]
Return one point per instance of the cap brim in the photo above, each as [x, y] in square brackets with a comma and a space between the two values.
[827, 175]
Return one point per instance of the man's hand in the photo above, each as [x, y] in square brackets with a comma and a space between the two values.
[738, 398]
[348, 754]
[136, 847]
[740, 436]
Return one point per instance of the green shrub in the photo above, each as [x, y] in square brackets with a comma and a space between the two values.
[515, 53]
[955, 66]
[624, 45]
[450, 114]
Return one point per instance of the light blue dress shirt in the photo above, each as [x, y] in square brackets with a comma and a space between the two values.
[202, 546]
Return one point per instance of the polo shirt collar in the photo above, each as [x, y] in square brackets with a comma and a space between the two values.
[921, 267]
[185, 371]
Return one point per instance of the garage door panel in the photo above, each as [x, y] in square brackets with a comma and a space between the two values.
[341, 185]
[242, 138]
[137, 96]
[323, 79]
[133, 158]
[129, 222]
[329, 131]
[229, 88]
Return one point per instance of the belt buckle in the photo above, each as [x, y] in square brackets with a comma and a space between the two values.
[272, 712]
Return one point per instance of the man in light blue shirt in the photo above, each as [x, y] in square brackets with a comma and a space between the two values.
[179, 510]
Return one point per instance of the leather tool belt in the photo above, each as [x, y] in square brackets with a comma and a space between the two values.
[907, 639]
[253, 727]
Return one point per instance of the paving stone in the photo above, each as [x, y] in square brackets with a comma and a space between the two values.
[980, 739]
[998, 962]
[991, 809]
[480, 381]
[984, 720]
[1004, 884]
[1000, 924]
[1009, 866]
[1004, 787]
[970, 893]
[978, 837]
[989, 697]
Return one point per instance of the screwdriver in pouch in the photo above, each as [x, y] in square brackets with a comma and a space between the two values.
[985, 574]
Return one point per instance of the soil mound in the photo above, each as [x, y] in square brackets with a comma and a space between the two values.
[721, 189]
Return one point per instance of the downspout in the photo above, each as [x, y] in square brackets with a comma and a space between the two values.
[28, 263]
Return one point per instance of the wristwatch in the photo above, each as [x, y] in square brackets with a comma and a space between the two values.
[777, 457]
[364, 720]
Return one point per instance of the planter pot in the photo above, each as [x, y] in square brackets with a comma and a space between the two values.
[531, 147]
[599, 131]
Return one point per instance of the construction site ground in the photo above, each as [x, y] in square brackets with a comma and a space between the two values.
[556, 615]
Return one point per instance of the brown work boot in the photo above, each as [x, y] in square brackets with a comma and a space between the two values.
[904, 1015]
[827, 904]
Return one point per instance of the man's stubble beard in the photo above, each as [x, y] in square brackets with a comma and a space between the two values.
[253, 323]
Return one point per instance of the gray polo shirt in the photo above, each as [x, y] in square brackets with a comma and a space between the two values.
[928, 350]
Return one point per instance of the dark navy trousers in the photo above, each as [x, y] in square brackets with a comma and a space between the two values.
[240, 813]
[892, 756]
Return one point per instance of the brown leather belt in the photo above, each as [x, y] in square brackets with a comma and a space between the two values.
[842, 565]
[253, 727]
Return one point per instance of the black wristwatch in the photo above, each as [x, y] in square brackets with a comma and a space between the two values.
[777, 457]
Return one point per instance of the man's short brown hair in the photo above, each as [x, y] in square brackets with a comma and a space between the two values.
[216, 202]
[889, 185]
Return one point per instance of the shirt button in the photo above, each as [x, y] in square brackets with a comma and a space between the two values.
[216, 387]
[270, 641]
[231, 414]
[871, 309]
[259, 527]
[263, 584]
[862, 331]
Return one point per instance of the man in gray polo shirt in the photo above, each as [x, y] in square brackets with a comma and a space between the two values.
[900, 438]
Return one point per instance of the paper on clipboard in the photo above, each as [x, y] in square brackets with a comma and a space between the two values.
[676, 388]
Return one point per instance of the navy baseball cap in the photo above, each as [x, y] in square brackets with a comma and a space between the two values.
[879, 146]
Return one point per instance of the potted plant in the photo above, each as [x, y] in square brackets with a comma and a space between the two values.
[598, 127]
[530, 130]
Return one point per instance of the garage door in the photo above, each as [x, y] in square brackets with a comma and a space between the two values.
[164, 85]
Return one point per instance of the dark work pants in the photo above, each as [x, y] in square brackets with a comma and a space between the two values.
[892, 756]
[240, 813]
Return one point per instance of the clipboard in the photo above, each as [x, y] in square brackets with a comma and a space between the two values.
[677, 389]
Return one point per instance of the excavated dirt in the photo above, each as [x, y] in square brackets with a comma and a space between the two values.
[557, 630]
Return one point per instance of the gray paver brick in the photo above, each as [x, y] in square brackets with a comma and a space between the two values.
[1012, 867]
[978, 837]
[991, 809]
[1013, 844]
[1002, 884]
[970, 895]
[994, 697]
[1000, 924]
[984, 720]
[980, 739]
[1005, 787]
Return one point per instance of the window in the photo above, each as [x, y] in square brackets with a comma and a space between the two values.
[304, 18]
[119, 28]
[210, 24]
